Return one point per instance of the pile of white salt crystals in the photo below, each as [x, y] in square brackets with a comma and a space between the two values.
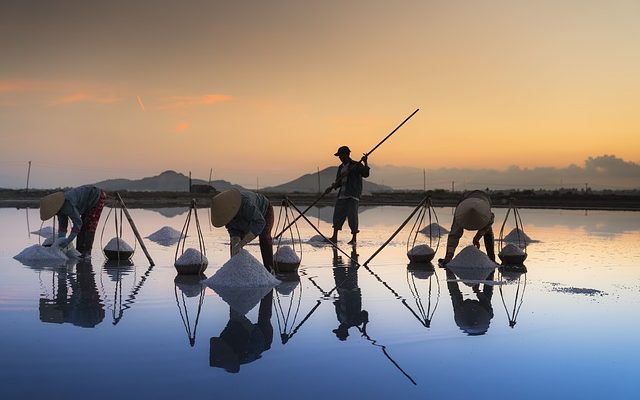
[69, 250]
[421, 250]
[37, 254]
[471, 257]
[192, 256]
[472, 266]
[518, 236]
[165, 236]
[318, 240]
[512, 250]
[118, 244]
[434, 230]
[242, 282]
[286, 254]
[242, 270]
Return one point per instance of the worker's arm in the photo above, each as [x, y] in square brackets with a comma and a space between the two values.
[69, 212]
[364, 167]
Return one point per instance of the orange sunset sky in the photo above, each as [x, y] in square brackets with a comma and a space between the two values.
[268, 90]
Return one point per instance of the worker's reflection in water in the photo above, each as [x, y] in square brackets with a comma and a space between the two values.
[349, 302]
[471, 315]
[83, 307]
[242, 341]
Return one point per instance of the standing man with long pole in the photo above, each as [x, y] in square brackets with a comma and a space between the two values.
[349, 185]
[329, 189]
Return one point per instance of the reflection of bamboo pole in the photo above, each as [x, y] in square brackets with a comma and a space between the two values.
[374, 342]
[132, 296]
[318, 231]
[293, 332]
[135, 230]
[28, 227]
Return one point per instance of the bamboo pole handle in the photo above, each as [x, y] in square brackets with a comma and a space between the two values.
[135, 230]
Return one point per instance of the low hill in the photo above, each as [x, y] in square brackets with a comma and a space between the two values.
[168, 181]
[309, 183]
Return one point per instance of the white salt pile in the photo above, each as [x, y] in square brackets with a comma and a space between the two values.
[38, 253]
[165, 236]
[242, 270]
[472, 266]
[421, 250]
[317, 240]
[512, 250]
[44, 231]
[117, 244]
[471, 257]
[69, 250]
[192, 256]
[286, 254]
[518, 236]
[434, 230]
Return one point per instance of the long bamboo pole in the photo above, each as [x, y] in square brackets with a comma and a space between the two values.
[135, 230]
[415, 210]
[320, 233]
[364, 156]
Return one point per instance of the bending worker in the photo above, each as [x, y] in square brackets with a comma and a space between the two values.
[349, 185]
[473, 212]
[246, 215]
[83, 206]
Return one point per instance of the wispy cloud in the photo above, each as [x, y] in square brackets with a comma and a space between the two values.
[58, 93]
[182, 126]
[182, 102]
[8, 86]
[140, 103]
[82, 97]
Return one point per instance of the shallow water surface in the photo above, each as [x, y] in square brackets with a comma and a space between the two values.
[567, 328]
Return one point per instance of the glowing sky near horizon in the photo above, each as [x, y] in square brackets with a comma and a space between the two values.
[270, 89]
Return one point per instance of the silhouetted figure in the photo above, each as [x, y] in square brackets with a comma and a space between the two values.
[246, 215]
[471, 316]
[473, 213]
[83, 307]
[242, 341]
[348, 305]
[83, 206]
[349, 184]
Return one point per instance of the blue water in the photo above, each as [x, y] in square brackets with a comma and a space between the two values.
[567, 328]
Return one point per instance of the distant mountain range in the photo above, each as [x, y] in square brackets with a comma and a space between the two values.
[172, 181]
[169, 181]
[309, 183]
[605, 171]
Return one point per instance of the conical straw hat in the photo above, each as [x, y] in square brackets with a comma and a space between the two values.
[50, 205]
[224, 207]
[473, 213]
